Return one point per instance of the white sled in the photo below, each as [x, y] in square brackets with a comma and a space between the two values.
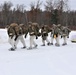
[73, 38]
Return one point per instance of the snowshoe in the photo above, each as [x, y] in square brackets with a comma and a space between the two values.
[23, 47]
[11, 49]
[57, 45]
[48, 43]
[35, 46]
[29, 48]
[64, 44]
[32, 48]
[43, 45]
[51, 43]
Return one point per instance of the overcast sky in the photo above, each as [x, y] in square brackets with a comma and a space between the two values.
[72, 3]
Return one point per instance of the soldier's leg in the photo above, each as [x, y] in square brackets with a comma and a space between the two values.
[34, 41]
[11, 41]
[31, 41]
[22, 41]
[57, 41]
[52, 40]
[64, 40]
[43, 41]
[48, 42]
[47, 39]
[16, 41]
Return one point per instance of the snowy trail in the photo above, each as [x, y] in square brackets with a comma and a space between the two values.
[48, 60]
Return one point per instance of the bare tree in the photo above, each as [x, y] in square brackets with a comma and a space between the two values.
[62, 6]
[18, 13]
[56, 9]
[6, 8]
[35, 10]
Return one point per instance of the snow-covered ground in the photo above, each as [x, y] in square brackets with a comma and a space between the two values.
[48, 60]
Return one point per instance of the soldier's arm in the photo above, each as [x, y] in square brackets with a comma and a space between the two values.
[69, 30]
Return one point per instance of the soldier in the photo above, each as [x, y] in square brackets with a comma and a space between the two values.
[21, 30]
[65, 34]
[44, 33]
[33, 34]
[55, 34]
[11, 33]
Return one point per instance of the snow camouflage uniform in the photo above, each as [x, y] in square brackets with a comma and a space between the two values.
[12, 34]
[44, 33]
[65, 34]
[55, 34]
[33, 34]
[22, 30]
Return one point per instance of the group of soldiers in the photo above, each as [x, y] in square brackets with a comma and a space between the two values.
[18, 32]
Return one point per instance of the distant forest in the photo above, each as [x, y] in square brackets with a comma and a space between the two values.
[55, 12]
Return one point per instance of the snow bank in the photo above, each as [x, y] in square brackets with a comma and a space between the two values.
[3, 36]
[48, 60]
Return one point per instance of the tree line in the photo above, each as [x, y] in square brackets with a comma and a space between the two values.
[55, 12]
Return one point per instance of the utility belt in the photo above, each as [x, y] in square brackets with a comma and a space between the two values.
[11, 35]
[44, 34]
[64, 35]
[32, 33]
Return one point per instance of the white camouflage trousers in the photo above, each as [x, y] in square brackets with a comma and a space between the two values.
[11, 41]
[64, 39]
[20, 38]
[32, 42]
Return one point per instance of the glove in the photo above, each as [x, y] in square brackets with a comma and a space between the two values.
[61, 36]
[25, 36]
[36, 37]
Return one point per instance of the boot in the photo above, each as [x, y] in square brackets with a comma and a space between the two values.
[29, 48]
[51, 43]
[43, 45]
[23, 47]
[12, 49]
[36, 45]
[64, 44]
[57, 45]
[48, 43]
